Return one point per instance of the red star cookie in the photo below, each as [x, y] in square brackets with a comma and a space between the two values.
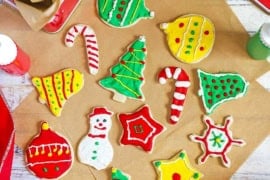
[140, 129]
[217, 140]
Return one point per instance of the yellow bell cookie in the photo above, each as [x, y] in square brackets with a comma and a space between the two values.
[55, 89]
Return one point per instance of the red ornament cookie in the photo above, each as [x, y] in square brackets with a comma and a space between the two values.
[140, 129]
[49, 155]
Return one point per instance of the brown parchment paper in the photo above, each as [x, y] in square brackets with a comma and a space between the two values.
[48, 54]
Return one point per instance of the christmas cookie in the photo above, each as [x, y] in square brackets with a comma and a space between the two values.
[126, 77]
[122, 13]
[181, 87]
[176, 168]
[90, 41]
[49, 155]
[55, 89]
[217, 140]
[140, 129]
[117, 174]
[190, 38]
[221, 87]
[95, 148]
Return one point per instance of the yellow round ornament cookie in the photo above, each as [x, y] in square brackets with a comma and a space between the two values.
[190, 37]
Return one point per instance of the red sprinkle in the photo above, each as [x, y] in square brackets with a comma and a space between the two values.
[177, 40]
[181, 25]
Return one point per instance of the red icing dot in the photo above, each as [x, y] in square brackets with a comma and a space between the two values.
[142, 62]
[181, 25]
[177, 40]
[206, 32]
[176, 176]
[120, 9]
[122, 62]
[131, 49]
[113, 75]
[119, 16]
[143, 49]
[123, 2]
[201, 48]
[139, 97]
[141, 78]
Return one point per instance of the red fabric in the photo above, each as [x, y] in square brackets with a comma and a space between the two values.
[6, 141]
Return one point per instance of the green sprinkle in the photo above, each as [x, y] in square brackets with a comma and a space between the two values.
[157, 163]
[196, 175]
[182, 155]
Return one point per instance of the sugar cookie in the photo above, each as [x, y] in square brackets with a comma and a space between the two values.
[217, 140]
[123, 13]
[140, 129]
[176, 168]
[49, 155]
[181, 87]
[221, 87]
[95, 148]
[190, 38]
[126, 77]
[54, 90]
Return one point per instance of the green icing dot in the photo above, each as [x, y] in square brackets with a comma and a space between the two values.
[56, 168]
[196, 175]
[189, 46]
[182, 155]
[95, 152]
[196, 23]
[45, 169]
[190, 39]
[157, 163]
[94, 157]
[96, 143]
[187, 52]
[192, 32]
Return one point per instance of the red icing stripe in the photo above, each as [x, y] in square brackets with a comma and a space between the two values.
[83, 30]
[64, 83]
[266, 3]
[45, 91]
[93, 65]
[71, 82]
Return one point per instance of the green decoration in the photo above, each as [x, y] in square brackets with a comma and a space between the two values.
[126, 77]
[117, 174]
[221, 87]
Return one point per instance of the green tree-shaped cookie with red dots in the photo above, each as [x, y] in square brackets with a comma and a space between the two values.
[126, 77]
[221, 87]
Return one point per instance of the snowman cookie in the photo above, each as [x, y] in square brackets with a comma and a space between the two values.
[190, 38]
[95, 148]
[49, 155]
[123, 13]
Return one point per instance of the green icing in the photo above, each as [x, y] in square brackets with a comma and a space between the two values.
[122, 13]
[119, 175]
[157, 163]
[127, 75]
[221, 87]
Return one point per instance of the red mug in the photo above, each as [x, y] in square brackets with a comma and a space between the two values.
[13, 59]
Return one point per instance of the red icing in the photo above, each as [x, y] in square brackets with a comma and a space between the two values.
[201, 48]
[181, 25]
[119, 16]
[206, 32]
[49, 155]
[139, 128]
[177, 40]
[176, 176]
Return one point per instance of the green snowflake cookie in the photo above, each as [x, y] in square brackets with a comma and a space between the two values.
[221, 87]
[122, 13]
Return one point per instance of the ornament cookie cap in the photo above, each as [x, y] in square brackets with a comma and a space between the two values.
[190, 38]
[218, 88]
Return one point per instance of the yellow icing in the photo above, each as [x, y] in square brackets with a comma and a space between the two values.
[190, 38]
[177, 165]
[45, 126]
[54, 90]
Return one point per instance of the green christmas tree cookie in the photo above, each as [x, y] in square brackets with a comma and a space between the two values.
[117, 174]
[221, 87]
[122, 13]
[126, 77]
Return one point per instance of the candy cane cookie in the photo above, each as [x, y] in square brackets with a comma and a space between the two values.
[181, 86]
[90, 44]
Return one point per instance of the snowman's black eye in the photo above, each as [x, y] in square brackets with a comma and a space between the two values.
[104, 120]
[97, 120]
